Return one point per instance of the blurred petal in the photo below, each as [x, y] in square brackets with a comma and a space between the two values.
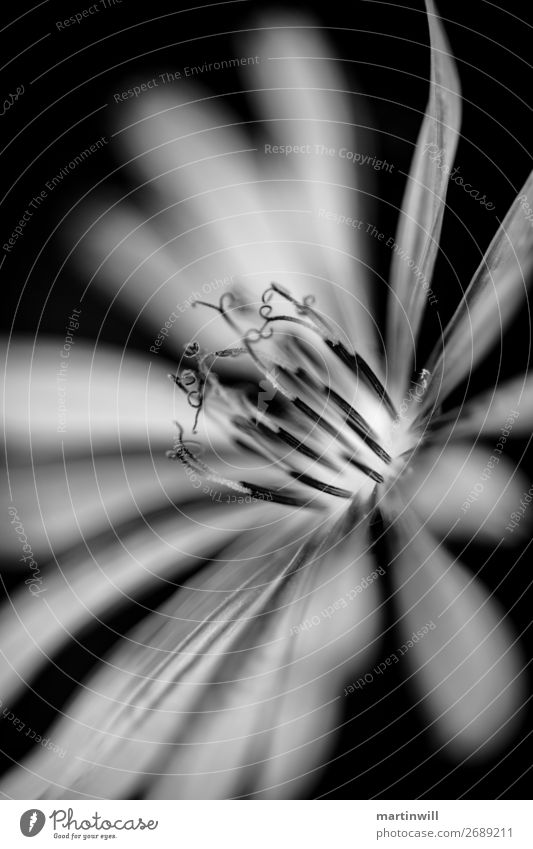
[85, 397]
[101, 577]
[423, 206]
[220, 692]
[302, 98]
[506, 408]
[467, 670]
[242, 213]
[213, 209]
[62, 504]
[465, 491]
[496, 290]
[125, 254]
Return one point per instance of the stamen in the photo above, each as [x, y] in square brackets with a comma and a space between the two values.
[318, 419]
[360, 426]
[301, 379]
[293, 442]
[354, 420]
[304, 307]
[357, 364]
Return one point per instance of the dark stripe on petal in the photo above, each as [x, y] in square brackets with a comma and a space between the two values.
[322, 487]
[366, 469]
[359, 425]
[315, 417]
[357, 364]
[264, 493]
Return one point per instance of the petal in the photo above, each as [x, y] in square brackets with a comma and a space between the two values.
[496, 290]
[54, 506]
[102, 576]
[465, 662]
[217, 218]
[214, 207]
[302, 98]
[221, 692]
[61, 504]
[420, 223]
[76, 396]
[505, 409]
[465, 491]
[124, 253]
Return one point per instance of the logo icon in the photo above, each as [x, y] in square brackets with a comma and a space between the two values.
[32, 822]
[268, 392]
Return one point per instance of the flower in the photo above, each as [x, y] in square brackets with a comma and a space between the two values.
[231, 686]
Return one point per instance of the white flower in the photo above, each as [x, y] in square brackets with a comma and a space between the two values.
[222, 691]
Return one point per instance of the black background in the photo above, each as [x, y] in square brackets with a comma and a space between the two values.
[387, 59]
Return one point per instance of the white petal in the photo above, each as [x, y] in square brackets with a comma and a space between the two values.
[219, 216]
[496, 291]
[216, 692]
[301, 95]
[62, 504]
[465, 491]
[85, 397]
[123, 252]
[423, 206]
[467, 669]
[54, 506]
[505, 409]
[101, 577]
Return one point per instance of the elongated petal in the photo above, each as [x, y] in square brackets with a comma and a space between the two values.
[76, 397]
[221, 692]
[467, 666]
[126, 254]
[224, 216]
[51, 507]
[59, 505]
[301, 96]
[420, 223]
[496, 290]
[101, 577]
[465, 491]
[505, 410]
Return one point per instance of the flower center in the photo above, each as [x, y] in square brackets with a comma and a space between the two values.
[323, 425]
